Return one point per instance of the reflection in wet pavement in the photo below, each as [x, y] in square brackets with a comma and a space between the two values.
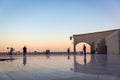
[60, 67]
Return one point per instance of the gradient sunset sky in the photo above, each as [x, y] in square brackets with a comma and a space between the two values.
[48, 24]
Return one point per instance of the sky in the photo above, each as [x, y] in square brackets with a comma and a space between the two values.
[48, 24]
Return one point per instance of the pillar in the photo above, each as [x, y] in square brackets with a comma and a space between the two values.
[92, 48]
[74, 46]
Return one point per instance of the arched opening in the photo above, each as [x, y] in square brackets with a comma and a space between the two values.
[79, 47]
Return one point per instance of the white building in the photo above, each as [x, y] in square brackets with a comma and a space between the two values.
[100, 42]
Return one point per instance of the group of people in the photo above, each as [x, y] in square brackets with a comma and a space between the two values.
[47, 51]
[84, 52]
[24, 50]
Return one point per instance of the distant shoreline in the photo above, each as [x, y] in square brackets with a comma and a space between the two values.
[33, 53]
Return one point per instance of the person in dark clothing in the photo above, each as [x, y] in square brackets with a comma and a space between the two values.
[68, 51]
[24, 50]
[11, 51]
[84, 49]
[11, 54]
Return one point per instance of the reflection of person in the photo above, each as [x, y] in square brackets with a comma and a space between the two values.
[11, 58]
[24, 60]
[85, 60]
[68, 57]
[24, 50]
[84, 49]
[47, 56]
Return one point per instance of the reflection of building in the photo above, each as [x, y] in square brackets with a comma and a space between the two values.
[99, 65]
[100, 42]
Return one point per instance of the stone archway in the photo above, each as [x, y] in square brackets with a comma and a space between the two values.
[79, 47]
[92, 39]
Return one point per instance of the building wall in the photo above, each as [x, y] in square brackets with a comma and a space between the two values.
[119, 40]
[105, 42]
[100, 46]
[91, 37]
[112, 43]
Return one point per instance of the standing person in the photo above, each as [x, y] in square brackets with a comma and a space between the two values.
[84, 49]
[68, 51]
[24, 50]
[11, 51]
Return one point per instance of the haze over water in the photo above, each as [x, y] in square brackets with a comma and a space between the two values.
[48, 24]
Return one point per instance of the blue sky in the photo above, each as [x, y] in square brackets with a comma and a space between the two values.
[49, 23]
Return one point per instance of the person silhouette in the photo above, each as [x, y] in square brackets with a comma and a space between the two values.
[11, 51]
[84, 49]
[47, 54]
[24, 50]
[68, 52]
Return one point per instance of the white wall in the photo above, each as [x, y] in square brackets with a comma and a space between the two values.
[112, 42]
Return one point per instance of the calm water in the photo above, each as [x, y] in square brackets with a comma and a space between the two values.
[60, 67]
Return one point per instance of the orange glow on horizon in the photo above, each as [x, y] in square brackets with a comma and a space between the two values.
[53, 46]
[60, 46]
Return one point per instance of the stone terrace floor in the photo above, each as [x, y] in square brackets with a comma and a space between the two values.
[60, 67]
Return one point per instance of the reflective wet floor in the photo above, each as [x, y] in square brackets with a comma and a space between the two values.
[60, 67]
